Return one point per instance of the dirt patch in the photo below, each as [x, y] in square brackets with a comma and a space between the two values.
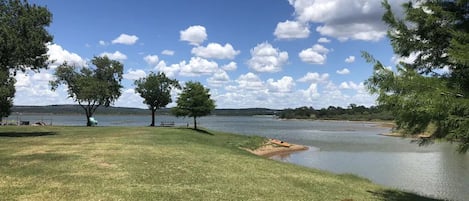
[276, 147]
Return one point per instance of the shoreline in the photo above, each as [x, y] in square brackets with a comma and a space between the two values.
[378, 123]
[275, 147]
[405, 136]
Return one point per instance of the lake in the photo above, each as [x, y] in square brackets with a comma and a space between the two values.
[336, 146]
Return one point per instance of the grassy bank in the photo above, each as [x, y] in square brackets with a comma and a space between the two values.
[129, 163]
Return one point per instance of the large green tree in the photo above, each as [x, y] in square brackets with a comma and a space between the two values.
[91, 87]
[194, 101]
[7, 92]
[434, 88]
[23, 44]
[155, 89]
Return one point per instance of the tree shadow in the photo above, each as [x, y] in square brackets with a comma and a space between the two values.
[394, 195]
[26, 134]
[198, 130]
[203, 132]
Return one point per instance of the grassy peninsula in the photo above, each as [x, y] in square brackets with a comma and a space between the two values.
[143, 163]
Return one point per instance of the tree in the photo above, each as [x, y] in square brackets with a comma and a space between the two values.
[23, 39]
[194, 101]
[7, 92]
[155, 89]
[91, 87]
[434, 89]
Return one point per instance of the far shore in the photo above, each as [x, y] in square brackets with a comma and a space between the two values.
[380, 123]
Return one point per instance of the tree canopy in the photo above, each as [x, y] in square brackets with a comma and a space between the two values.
[91, 87]
[434, 88]
[194, 101]
[23, 44]
[23, 35]
[155, 89]
[7, 92]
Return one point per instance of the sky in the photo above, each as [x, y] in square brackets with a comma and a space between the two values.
[250, 53]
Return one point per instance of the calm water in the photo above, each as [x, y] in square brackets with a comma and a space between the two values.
[339, 147]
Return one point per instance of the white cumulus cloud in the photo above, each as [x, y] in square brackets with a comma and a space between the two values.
[215, 51]
[291, 30]
[130, 99]
[344, 20]
[311, 93]
[250, 81]
[284, 85]
[151, 60]
[195, 35]
[314, 77]
[323, 40]
[350, 59]
[198, 66]
[170, 71]
[351, 85]
[125, 39]
[230, 67]
[114, 56]
[22, 80]
[265, 58]
[58, 55]
[344, 71]
[219, 79]
[34, 89]
[314, 55]
[134, 74]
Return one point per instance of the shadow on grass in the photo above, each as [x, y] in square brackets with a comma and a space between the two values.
[26, 134]
[392, 195]
[201, 131]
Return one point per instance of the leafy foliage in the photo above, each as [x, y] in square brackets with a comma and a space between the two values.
[155, 89]
[434, 89]
[7, 92]
[89, 87]
[194, 101]
[23, 39]
[23, 36]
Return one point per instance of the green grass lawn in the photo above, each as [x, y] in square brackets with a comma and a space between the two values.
[143, 163]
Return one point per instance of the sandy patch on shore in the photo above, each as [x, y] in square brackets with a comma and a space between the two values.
[276, 147]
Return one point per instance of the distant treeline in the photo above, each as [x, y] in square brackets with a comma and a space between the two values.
[352, 113]
[76, 109]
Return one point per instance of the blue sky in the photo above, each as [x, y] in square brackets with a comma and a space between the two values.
[257, 53]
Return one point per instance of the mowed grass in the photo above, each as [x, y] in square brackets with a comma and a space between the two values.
[143, 163]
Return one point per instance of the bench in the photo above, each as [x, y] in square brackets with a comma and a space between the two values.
[167, 124]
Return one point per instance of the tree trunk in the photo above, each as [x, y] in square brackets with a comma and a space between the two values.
[88, 122]
[195, 122]
[152, 117]
[88, 115]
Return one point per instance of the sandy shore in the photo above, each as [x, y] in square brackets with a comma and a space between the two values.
[276, 147]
